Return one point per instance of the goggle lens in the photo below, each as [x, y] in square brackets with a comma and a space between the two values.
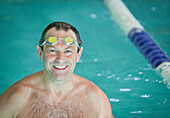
[69, 40]
[52, 40]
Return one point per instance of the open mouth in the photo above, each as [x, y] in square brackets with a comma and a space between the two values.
[60, 67]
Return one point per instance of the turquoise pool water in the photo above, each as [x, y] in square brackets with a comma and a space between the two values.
[109, 59]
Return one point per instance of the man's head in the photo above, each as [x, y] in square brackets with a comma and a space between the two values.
[59, 58]
[60, 26]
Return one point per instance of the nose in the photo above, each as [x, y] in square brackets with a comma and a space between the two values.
[60, 56]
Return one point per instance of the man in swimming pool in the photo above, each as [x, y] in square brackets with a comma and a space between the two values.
[56, 92]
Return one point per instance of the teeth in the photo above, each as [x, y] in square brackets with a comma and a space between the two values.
[60, 67]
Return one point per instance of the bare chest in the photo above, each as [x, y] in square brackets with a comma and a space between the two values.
[72, 107]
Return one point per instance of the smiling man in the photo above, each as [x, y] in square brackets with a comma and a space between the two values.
[56, 92]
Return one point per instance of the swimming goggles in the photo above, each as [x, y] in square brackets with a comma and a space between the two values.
[52, 40]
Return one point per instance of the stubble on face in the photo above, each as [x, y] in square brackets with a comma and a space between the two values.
[51, 63]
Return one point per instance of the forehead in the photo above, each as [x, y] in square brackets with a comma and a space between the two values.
[60, 33]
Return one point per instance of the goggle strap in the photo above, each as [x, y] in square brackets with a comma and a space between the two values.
[43, 43]
[77, 44]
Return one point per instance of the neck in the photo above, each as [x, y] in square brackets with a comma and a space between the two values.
[56, 86]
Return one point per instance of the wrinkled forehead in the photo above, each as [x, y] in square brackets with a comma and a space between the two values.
[60, 33]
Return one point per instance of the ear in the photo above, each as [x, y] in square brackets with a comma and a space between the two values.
[40, 52]
[79, 54]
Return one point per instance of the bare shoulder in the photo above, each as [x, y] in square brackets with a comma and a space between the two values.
[12, 99]
[15, 96]
[92, 90]
[98, 99]
[20, 89]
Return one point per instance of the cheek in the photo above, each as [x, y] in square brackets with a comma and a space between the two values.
[48, 58]
[72, 59]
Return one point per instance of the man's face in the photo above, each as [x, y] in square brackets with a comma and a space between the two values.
[60, 59]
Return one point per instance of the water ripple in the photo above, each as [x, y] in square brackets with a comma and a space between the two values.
[114, 100]
[136, 112]
[125, 89]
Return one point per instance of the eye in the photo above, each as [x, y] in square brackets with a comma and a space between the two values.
[68, 51]
[52, 50]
